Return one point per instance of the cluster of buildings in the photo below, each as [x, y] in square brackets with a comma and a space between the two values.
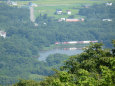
[60, 12]
[2, 34]
[76, 42]
[68, 12]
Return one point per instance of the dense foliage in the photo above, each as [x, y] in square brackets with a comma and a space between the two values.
[20, 49]
[93, 67]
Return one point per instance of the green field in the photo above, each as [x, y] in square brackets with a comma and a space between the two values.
[50, 10]
[58, 2]
[49, 6]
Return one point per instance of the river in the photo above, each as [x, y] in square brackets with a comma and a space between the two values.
[45, 54]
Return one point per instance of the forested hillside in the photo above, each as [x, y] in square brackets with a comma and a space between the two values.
[19, 51]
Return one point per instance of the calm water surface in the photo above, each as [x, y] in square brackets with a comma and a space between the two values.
[45, 54]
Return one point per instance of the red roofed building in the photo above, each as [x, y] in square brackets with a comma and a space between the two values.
[72, 20]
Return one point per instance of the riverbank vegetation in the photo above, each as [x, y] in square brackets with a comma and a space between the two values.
[19, 51]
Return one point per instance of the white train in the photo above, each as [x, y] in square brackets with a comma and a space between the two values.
[76, 42]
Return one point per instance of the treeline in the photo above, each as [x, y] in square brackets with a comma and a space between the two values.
[94, 67]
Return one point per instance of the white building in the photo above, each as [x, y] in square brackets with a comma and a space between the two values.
[3, 34]
[61, 19]
[82, 19]
[59, 11]
[68, 12]
[108, 4]
[107, 20]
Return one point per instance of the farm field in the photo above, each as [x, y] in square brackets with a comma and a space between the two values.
[49, 6]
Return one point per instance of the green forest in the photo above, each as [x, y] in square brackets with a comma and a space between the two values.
[19, 51]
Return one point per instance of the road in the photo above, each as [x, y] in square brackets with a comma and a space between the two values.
[32, 14]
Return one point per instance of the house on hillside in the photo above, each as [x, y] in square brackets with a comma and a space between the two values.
[3, 34]
[59, 11]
